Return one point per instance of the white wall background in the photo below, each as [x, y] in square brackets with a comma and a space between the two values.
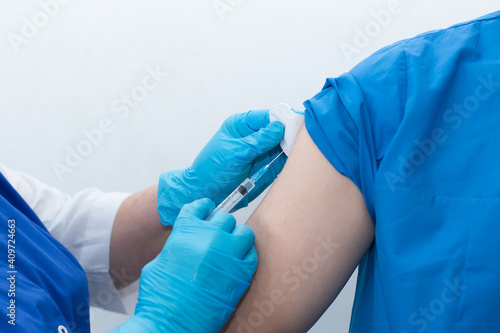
[64, 78]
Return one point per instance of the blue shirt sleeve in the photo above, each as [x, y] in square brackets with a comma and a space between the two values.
[355, 117]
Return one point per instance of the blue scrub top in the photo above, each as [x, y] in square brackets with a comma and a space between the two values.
[416, 127]
[45, 287]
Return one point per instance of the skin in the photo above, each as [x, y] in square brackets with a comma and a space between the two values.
[137, 236]
[310, 204]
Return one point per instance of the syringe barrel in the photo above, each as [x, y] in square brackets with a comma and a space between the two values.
[234, 198]
[248, 185]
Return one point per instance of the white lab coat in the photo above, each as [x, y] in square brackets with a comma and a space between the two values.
[82, 223]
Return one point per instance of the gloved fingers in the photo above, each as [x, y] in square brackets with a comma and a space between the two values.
[243, 124]
[264, 140]
[199, 209]
[241, 269]
[168, 203]
[277, 166]
[265, 159]
[223, 221]
[252, 259]
[244, 240]
[256, 119]
[268, 178]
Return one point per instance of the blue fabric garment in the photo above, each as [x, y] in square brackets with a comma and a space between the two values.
[50, 285]
[416, 127]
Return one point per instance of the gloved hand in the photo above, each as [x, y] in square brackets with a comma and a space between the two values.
[245, 143]
[194, 284]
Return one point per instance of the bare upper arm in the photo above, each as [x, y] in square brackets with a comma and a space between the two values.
[312, 229]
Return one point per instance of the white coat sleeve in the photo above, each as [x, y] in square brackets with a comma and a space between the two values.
[82, 223]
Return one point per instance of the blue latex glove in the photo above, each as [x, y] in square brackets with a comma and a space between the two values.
[197, 280]
[245, 143]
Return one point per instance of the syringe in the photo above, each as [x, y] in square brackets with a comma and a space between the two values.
[241, 191]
